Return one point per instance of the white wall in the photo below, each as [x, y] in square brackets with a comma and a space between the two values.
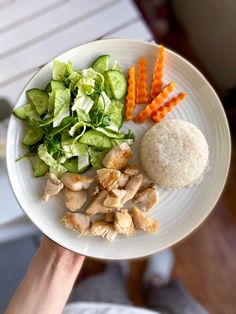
[211, 27]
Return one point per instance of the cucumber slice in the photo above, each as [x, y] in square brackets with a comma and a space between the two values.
[97, 139]
[40, 168]
[107, 89]
[83, 162]
[71, 164]
[101, 64]
[26, 111]
[39, 99]
[32, 136]
[117, 83]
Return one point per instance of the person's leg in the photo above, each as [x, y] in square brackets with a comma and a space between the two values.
[106, 287]
[171, 298]
[167, 297]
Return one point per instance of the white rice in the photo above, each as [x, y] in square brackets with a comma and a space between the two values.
[174, 153]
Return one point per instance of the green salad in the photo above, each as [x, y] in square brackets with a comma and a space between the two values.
[76, 119]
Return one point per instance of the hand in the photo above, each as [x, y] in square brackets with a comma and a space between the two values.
[48, 281]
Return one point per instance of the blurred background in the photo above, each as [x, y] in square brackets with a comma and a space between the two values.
[203, 31]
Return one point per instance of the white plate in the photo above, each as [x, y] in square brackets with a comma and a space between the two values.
[179, 212]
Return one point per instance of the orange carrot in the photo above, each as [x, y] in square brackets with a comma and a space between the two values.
[167, 107]
[130, 98]
[141, 90]
[158, 75]
[155, 104]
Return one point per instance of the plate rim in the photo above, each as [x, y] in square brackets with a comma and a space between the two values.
[227, 163]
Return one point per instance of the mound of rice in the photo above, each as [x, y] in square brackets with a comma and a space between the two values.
[174, 153]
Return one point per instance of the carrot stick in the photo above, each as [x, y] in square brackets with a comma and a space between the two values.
[167, 107]
[157, 82]
[155, 104]
[141, 91]
[130, 98]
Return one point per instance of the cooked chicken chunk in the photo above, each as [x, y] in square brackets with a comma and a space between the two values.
[132, 187]
[141, 221]
[123, 222]
[103, 229]
[53, 186]
[117, 157]
[76, 221]
[124, 178]
[108, 178]
[76, 182]
[131, 170]
[109, 217]
[75, 199]
[147, 198]
[96, 191]
[97, 207]
[114, 198]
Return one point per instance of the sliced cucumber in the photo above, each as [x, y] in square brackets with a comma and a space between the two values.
[39, 99]
[97, 139]
[101, 64]
[32, 136]
[71, 164]
[83, 162]
[26, 111]
[117, 83]
[40, 168]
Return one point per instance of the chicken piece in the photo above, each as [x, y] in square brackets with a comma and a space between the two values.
[114, 198]
[141, 221]
[74, 200]
[77, 221]
[124, 178]
[109, 217]
[53, 186]
[108, 178]
[96, 191]
[147, 198]
[97, 207]
[123, 222]
[117, 157]
[103, 229]
[131, 170]
[76, 182]
[132, 187]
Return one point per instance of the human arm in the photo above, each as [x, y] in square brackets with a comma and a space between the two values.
[48, 281]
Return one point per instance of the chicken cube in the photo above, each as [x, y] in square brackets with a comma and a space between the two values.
[76, 182]
[132, 187]
[141, 221]
[117, 157]
[103, 229]
[77, 221]
[114, 198]
[147, 198]
[124, 178]
[123, 222]
[131, 170]
[97, 207]
[53, 186]
[74, 200]
[108, 178]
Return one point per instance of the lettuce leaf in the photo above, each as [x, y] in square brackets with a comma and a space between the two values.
[44, 155]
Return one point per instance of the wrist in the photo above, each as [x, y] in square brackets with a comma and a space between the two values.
[67, 259]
